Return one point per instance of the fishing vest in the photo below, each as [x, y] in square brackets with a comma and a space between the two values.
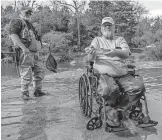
[28, 38]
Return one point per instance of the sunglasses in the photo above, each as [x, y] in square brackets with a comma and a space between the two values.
[28, 13]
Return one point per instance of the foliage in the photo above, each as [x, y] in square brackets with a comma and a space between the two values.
[61, 24]
[83, 35]
[154, 53]
[124, 13]
[59, 42]
[5, 39]
[64, 57]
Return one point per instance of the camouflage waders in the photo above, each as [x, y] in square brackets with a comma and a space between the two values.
[31, 69]
[30, 66]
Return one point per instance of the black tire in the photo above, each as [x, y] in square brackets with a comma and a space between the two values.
[80, 89]
[82, 95]
[94, 123]
[89, 97]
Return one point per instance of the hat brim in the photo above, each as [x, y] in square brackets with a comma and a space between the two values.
[107, 22]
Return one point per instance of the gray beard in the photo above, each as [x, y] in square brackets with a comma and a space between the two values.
[108, 35]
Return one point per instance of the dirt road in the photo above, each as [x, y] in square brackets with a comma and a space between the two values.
[57, 116]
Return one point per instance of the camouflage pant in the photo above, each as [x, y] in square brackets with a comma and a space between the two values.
[133, 89]
[31, 70]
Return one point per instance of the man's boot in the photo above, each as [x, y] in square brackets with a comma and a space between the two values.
[38, 93]
[25, 95]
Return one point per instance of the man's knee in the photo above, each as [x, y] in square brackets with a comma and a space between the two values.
[108, 88]
[39, 75]
[131, 84]
[140, 86]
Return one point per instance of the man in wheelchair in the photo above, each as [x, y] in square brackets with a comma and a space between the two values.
[108, 53]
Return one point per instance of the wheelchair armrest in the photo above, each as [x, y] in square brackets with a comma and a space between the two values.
[91, 63]
[87, 66]
[131, 66]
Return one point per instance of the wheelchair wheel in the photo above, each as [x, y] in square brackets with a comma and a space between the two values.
[88, 94]
[80, 89]
[82, 95]
[94, 123]
[136, 115]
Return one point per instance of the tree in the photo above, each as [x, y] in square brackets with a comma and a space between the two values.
[157, 24]
[125, 13]
[26, 3]
[76, 8]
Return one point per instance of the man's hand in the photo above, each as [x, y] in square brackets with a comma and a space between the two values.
[26, 51]
[90, 50]
[110, 53]
[102, 51]
[123, 54]
[16, 40]
[106, 51]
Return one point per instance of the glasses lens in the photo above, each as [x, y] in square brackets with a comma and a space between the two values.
[28, 13]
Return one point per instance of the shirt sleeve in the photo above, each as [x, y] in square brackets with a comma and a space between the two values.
[15, 27]
[95, 43]
[121, 43]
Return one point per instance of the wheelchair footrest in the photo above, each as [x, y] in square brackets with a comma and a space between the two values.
[143, 125]
[122, 128]
[115, 129]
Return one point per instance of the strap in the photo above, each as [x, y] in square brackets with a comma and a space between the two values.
[98, 41]
[24, 23]
[18, 53]
[116, 46]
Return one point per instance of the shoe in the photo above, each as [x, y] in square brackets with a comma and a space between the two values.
[39, 93]
[25, 96]
[147, 120]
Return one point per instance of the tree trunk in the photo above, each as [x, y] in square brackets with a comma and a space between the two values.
[78, 26]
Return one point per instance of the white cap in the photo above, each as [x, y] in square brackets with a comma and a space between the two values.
[107, 19]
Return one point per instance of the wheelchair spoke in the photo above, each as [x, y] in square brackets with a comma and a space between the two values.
[89, 100]
[87, 90]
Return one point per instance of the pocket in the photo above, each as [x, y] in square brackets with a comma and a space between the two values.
[39, 46]
[36, 57]
[27, 60]
[33, 46]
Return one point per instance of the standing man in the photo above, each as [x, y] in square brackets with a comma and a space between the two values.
[25, 38]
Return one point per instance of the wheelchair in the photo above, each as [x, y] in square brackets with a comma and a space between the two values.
[89, 97]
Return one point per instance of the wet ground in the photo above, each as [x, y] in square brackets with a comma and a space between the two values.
[57, 116]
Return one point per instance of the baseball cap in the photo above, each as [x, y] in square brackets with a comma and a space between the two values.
[27, 10]
[107, 19]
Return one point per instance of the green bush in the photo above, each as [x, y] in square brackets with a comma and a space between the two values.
[6, 42]
[154, 53]
[59, 42]
[64, 57]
